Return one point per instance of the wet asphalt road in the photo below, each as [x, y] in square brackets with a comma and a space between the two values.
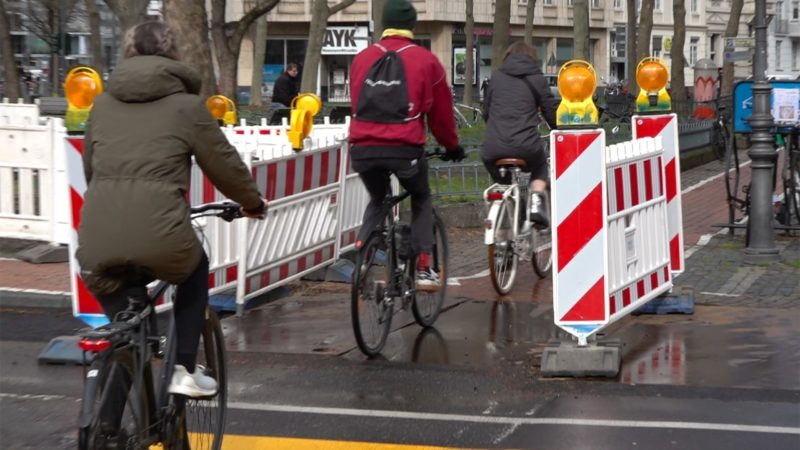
[687, 381]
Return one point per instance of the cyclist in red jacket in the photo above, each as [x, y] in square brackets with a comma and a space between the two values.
[396, 86]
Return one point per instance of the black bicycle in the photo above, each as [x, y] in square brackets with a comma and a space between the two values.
[790, 207]
[124, 406]
[384, 278]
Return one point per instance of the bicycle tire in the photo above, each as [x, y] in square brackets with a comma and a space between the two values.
[202, 420]
[370, 278]
[110, 402]
[427, 305]
[501, 256]
[542, 245]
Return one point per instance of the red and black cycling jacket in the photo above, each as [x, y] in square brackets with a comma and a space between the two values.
[428, 93]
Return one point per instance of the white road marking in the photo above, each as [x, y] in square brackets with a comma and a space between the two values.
[719, 294]
[702, 183]
[457, 281]
[500, 420]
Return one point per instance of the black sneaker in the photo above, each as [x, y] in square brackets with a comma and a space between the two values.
[428, 280]
[538, 210]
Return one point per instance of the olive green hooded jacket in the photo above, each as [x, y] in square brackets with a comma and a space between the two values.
[142, 134]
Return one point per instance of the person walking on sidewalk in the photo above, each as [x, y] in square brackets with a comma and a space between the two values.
[396, 87]
[137, 158]
[516, 96]
[286, 88]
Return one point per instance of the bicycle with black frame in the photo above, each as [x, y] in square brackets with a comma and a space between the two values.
[125, 405]
[384, 276]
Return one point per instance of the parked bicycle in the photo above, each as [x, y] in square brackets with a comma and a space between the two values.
[467, 116]
[384, 277]
[123, 405]
[790, 175]
[510, 236]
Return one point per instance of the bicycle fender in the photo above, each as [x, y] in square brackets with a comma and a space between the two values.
[491, 220]
[89, 392]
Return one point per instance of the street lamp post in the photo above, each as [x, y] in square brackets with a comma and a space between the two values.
[761, 246]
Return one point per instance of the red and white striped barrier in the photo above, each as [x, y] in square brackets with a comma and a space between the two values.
[666, 127]
[610, 252]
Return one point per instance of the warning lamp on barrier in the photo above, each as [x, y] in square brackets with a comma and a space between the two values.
[81, 86]
[652, 77]
[222, 108]
[577, 81]
[304, 108]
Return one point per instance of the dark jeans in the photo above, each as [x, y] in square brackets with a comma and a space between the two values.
[413, 176]
[189, 309]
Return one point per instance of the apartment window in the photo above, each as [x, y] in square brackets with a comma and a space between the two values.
[596, 4]
[694, 7]
[693, 51]
[778, 11]
[795, 10]
[617, 4]
[714, 41]
[657, 5]
[657, 46]
[795, 56]
[570, 2]
[778, 61]
[548, 2]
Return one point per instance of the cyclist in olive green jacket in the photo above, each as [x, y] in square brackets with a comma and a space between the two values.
[135, 225]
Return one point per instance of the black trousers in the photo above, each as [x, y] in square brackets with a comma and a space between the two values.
[189, 309]
[413, 176]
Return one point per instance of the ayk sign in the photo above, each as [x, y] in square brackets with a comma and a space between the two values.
[345, 40]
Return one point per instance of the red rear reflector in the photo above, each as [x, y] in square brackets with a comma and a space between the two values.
[493, 196]
[90, 345]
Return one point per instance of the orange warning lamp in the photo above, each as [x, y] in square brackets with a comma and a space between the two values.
[304, 108]
[222, 108]
[652, 77]
[577, 81]
[81, 86]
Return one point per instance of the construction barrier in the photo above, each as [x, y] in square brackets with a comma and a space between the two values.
[610, 251]
[665, 126]
[31, 167]
[316, 204]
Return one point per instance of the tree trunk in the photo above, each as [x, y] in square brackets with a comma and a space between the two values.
[227, 39]
[133, 12]
[188, 19]
[645, 30]
[678, 84]
[580, 10]
[732, 30]
[320, 13]
[502, 20]
[96, 40]
[377, 19]
[9, 64]
[528, 36]
[630, 46]
[259, 53]
[469, 31]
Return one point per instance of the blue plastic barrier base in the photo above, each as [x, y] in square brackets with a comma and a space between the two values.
[226, 302]
[63, 350]
[672, 303]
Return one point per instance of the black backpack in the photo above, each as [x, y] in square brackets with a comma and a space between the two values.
[384, 93]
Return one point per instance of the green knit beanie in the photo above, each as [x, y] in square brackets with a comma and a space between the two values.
[399, 14]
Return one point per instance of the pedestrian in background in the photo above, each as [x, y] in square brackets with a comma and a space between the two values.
[286, 87]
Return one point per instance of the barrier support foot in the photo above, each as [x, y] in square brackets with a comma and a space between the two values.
[63, 350]
[679, 301]
[568, 359]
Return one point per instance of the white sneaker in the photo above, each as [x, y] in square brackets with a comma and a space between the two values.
[196, 384]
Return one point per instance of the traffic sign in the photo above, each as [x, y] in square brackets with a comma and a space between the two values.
[738, 56]
[748, 42]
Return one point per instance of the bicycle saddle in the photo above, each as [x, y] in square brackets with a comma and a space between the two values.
[511, 162]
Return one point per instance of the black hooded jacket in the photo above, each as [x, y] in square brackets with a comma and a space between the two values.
[511, 109]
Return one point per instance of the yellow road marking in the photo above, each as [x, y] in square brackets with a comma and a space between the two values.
[238, 442]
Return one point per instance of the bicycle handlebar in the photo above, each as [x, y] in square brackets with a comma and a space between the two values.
[227, 211]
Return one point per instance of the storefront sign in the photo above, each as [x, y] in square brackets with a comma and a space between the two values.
[345, 40]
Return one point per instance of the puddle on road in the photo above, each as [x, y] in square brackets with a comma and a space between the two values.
[717, 346]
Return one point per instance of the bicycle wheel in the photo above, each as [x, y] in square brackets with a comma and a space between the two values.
[542, 245]
[371, 311]
[427, 305]
[115, 410]
[204, 418]
[502, 258]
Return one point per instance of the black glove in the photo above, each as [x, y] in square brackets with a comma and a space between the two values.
[455, 155]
